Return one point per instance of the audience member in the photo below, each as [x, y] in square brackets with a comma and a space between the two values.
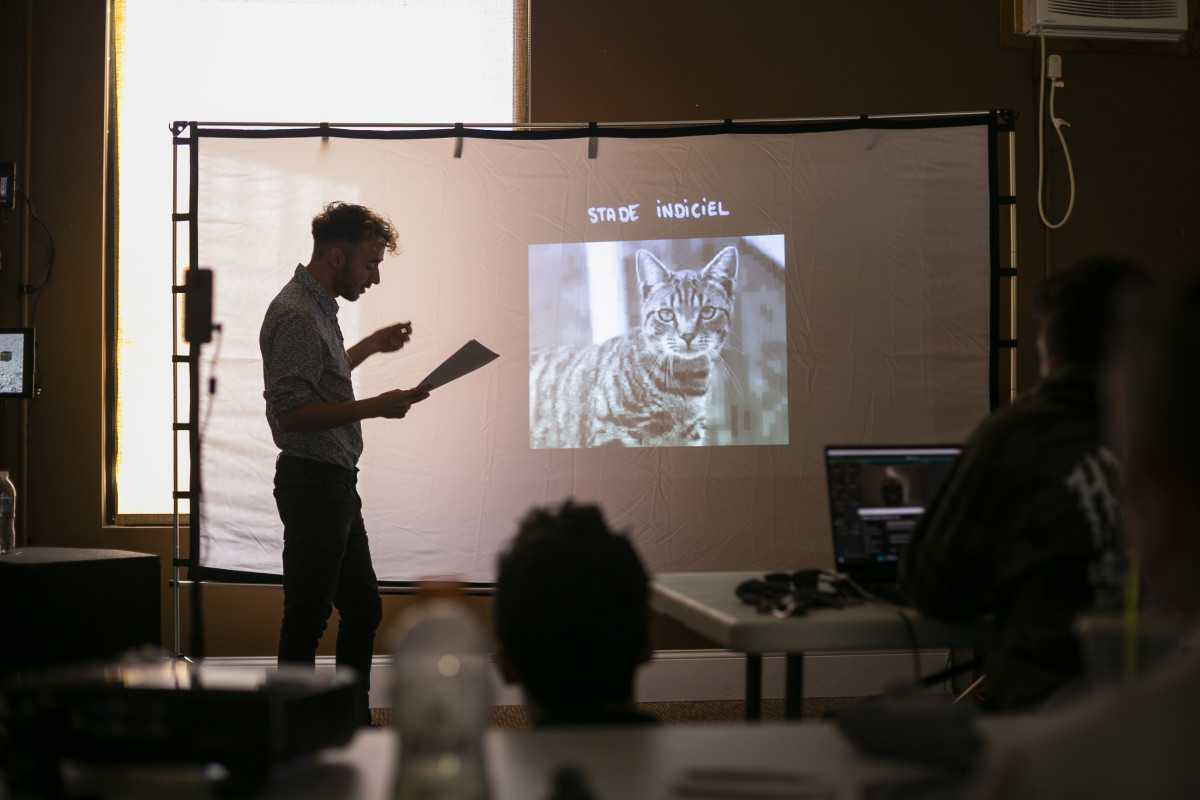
[1023, 527]
[1139, 740]
[572, 617]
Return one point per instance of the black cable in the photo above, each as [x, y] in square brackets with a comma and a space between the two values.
[908, 626]
[912, 637]
[773, 595]
[212, 381]
[945, 674]
[950, 672]
[30, 289]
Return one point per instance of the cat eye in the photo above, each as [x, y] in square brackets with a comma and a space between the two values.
[666, 315]
[708, 312]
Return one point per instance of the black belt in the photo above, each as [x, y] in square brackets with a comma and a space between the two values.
[311, 466]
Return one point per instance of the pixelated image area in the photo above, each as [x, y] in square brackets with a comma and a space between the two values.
[748, 405]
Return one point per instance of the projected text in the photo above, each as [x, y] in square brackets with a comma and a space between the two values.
[684, 210]
[627, 213]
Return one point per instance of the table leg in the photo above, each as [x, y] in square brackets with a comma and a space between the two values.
[754, 668]
[793, 691]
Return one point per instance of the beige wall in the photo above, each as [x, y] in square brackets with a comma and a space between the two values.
[1135, 125]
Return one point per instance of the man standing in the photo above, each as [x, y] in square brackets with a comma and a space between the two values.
[315, 422]
[1024, 525]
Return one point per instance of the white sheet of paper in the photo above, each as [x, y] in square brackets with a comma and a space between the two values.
[468, 358]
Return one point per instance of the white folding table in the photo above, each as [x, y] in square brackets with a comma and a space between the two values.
[706, 603]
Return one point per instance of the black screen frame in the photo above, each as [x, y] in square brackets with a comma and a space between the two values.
[189, 134]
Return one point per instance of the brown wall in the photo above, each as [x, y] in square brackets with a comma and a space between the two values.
[1135, 125]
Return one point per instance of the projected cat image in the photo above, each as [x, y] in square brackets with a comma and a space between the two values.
[649, 385]
[643, 334]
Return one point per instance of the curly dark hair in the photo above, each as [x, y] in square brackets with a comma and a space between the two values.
[346, 224]
[572, 610]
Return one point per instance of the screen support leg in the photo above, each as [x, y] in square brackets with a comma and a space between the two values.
[754, 668]
[793, 691]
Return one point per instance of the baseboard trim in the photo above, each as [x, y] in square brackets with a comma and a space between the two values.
[697, 675]
[721, 674]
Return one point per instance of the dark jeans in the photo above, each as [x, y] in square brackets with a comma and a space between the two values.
[326, 564]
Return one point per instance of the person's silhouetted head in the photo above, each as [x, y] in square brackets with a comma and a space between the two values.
[1076, 309]
[572, 615]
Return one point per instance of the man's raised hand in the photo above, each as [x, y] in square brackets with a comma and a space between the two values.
[393, 337]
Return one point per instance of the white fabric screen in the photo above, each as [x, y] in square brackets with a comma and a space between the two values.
[860, 315]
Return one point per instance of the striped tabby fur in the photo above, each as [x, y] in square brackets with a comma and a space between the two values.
[649, 386]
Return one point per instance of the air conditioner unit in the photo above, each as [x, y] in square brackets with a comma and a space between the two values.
[1152, 20]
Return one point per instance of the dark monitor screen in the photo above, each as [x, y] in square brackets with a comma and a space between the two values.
[877, 494]
[16, 362]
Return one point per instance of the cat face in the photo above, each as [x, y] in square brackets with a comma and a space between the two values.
[686, 314]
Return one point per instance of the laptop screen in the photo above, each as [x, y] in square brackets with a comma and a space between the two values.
[876, 495]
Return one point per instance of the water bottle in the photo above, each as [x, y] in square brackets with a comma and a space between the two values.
[440, 699]
[8, 514]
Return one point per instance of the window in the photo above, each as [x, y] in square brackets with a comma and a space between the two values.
[347, 61]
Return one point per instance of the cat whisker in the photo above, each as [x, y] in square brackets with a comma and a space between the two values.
[730, 348]
[730, 375]
[671, 367]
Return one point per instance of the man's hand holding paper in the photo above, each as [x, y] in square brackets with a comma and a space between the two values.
[395, 404]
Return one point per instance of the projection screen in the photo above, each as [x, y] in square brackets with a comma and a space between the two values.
[684, 319]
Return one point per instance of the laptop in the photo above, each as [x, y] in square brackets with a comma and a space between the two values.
[876, 495]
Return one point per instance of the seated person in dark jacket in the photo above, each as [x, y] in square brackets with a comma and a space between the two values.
[572, 617]
[1136, 736]
[1023, 527]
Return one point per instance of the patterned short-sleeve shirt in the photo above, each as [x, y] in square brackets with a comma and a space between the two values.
[305, 361]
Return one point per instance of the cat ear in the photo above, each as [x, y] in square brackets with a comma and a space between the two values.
[723, 268]
[650, 270]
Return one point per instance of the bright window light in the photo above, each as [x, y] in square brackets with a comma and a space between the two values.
[255, 61]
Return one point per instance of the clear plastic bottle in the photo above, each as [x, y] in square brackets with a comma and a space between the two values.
[440, 699]
[8, 514]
